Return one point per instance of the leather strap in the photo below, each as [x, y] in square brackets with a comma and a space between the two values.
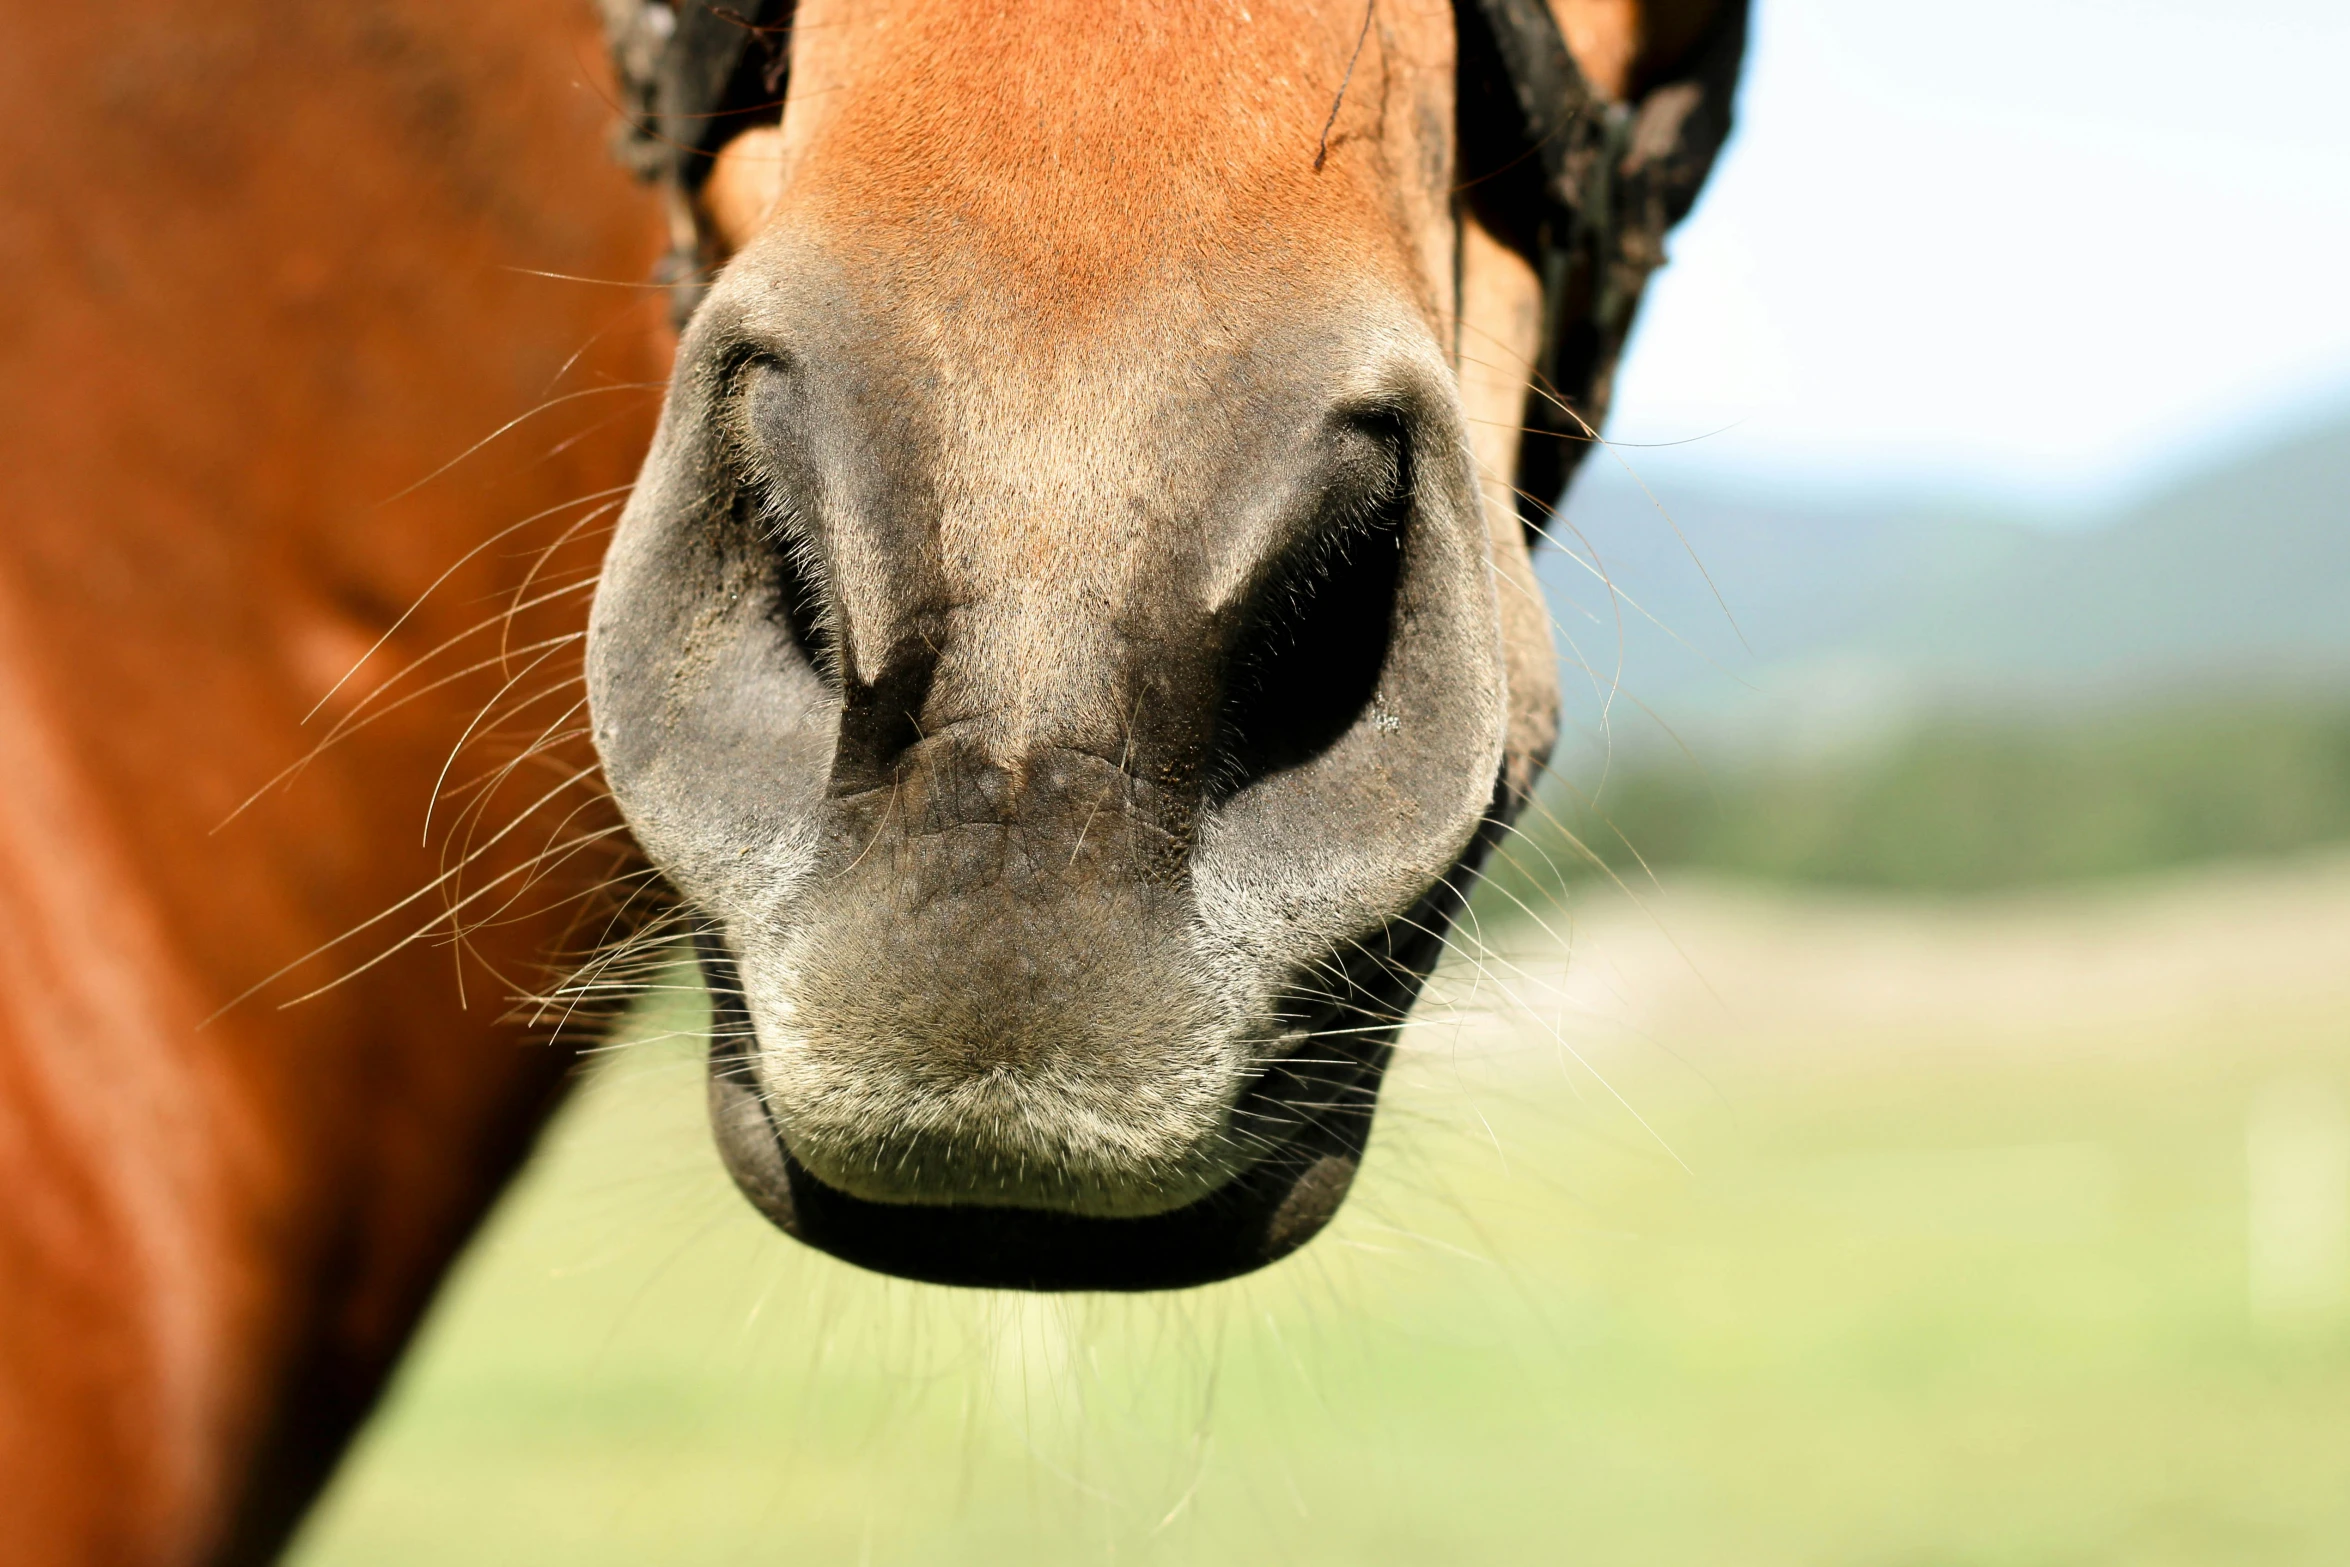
[694, 74]
[1585, 189]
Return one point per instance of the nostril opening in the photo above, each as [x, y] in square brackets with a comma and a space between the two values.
[801, 603]
[772, 482]
[799, 592]
[881, 720]
[1314, 642]
[880, 717]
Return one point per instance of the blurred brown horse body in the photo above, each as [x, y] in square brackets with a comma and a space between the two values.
[265, 272]
[270, 266]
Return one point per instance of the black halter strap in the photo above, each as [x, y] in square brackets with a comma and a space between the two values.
[694, 74]
[1585, 188]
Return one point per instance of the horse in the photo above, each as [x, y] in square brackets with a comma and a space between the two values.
[270, 264]
[1067, 645]
[1074, 637]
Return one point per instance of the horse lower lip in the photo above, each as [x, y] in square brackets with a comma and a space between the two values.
[1261, 1215]
[1258, 1218]
[1276, 1204]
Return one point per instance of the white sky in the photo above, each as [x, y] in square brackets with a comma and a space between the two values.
[2049, 248]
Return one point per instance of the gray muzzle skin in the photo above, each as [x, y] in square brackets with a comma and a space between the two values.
[1316, 1120]
[1075, 764]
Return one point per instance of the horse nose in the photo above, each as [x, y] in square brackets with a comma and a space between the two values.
[1052, 780]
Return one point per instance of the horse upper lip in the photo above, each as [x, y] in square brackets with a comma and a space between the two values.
[1268, 1207]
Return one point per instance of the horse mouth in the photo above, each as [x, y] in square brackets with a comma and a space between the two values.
[1309, 1116]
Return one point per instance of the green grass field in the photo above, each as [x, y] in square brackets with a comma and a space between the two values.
[1928, 1276]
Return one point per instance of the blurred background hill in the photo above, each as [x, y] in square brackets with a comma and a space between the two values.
[1901, 689]
[2235, 571]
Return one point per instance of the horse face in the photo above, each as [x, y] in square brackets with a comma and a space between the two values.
[1059, 638]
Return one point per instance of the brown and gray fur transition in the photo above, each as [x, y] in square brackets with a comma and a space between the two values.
[1073, 634]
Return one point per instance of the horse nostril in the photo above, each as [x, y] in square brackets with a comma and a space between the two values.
[801, 604]
[880, 720]
[1307, 663]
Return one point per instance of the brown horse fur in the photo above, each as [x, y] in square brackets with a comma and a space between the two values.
[266, 270]
[271, 265]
